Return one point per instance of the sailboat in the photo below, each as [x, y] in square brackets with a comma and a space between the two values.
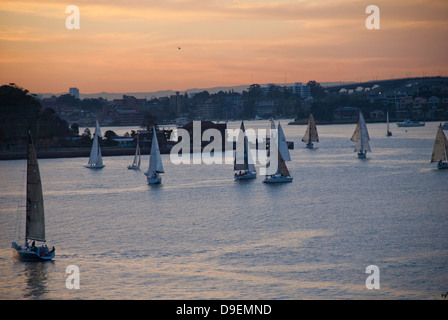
[137, 157]
[35, 221]
[389, 133]
[244, 161]
[361, 137]
[282, 174]
[440, 149]
[311, 133]
[155, 162]
[95, 159]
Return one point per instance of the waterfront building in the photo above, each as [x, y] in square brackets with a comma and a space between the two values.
[74, 92]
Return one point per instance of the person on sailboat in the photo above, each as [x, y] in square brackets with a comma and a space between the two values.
[33, 246]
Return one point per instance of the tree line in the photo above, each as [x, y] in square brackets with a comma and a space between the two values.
[22, 112]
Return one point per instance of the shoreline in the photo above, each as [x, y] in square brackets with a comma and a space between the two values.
[323, 122]
[77, 153]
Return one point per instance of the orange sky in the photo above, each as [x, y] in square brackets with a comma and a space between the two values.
[132, 45]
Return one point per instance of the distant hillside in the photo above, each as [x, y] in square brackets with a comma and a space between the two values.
[167, 93]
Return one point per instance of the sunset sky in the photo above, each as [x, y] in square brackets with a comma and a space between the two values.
[132, 45]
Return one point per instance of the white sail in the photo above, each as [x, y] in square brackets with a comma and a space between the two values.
[137, 156]
[99, 161]
[282, 145]
[439, 150]
[283, 153]
[155, 160]
[250, 161]
[94, 151]
[387, 117]
[95, 158]
[35, 221]
[311, 131]
[282, 172]
[243, 161]
[269, 134]
[361, 136]
[240, 160]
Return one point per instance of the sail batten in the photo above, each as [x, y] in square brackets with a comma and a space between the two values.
[35, 220]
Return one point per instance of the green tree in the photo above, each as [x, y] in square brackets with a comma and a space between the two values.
[75, 128]
[110, 135]
[150, 121]
[92, 104]
[317, 91]
[68, 99]
[21, 112]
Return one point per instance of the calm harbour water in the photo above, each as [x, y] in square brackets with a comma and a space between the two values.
[201, 235]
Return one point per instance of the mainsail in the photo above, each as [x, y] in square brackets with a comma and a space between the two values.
[440, 146]
[311, 131]
[282, 145]
[361, 135]
[243, 161]
[35, 220]
[155, 161]
[282, 169]
[95, 153]
[137, 156]
[270, 132]
[387, 117]
[283, 152]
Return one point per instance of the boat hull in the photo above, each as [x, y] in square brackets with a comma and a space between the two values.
[411, 125]
[362, 155]
[26, 254]
[310, 145]
[247, 176]
[277, 179]
[408, 123]
[443, 165]
[156, 180]
[95, 167]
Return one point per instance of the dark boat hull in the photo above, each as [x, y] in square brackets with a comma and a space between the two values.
[26, 254]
